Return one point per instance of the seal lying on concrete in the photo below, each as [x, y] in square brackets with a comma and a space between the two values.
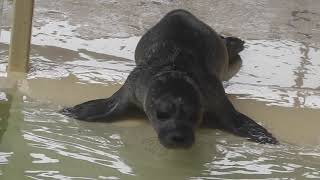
[181, 62]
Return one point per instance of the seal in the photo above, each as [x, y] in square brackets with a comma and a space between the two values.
[177, 82]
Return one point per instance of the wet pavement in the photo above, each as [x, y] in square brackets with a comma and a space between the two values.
[281, 54]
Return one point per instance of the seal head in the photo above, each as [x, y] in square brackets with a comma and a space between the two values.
[173, 106]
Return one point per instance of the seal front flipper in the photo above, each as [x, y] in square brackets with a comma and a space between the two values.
[100, 109]
[230, 120]
[246, 127]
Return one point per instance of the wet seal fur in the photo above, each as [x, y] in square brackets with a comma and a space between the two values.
[177, 83]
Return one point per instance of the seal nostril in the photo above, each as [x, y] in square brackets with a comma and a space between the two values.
[179, 139]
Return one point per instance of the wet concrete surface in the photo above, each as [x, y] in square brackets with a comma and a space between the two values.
[297, 20]
[267, 19]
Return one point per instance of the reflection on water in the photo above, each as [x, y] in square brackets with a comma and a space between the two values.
[56, 147]
[277, 72]
[249, 161]
[42, 159]
[4, 157]
[42, 144]
[69, 140]
[5, 104]
[283, 73]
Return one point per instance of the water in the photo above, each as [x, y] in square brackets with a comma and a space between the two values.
[71, 62]
[39, 143]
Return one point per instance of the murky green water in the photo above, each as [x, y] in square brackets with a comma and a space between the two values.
[39, 143]
[72, 62]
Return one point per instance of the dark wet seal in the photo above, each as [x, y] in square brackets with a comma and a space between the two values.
[177, 83]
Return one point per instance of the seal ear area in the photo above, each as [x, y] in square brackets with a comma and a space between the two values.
[99, 109]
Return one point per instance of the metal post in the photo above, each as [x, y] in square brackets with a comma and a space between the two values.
[20, 36]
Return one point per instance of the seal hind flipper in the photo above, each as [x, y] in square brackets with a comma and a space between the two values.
[234, 46]
[233, 67]
[100, 109]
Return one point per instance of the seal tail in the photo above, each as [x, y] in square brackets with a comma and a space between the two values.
[99, 109]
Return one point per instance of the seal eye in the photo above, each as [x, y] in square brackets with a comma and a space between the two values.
[163, 115]
[165, 111]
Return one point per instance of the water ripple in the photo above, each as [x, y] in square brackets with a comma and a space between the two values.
[60, 139]
[254, 161]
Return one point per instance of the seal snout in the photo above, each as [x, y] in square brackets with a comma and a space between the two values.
[177, 140]
[180, 140]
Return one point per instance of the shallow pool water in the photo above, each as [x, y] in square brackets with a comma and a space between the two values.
[39, 143]
[71, 62]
